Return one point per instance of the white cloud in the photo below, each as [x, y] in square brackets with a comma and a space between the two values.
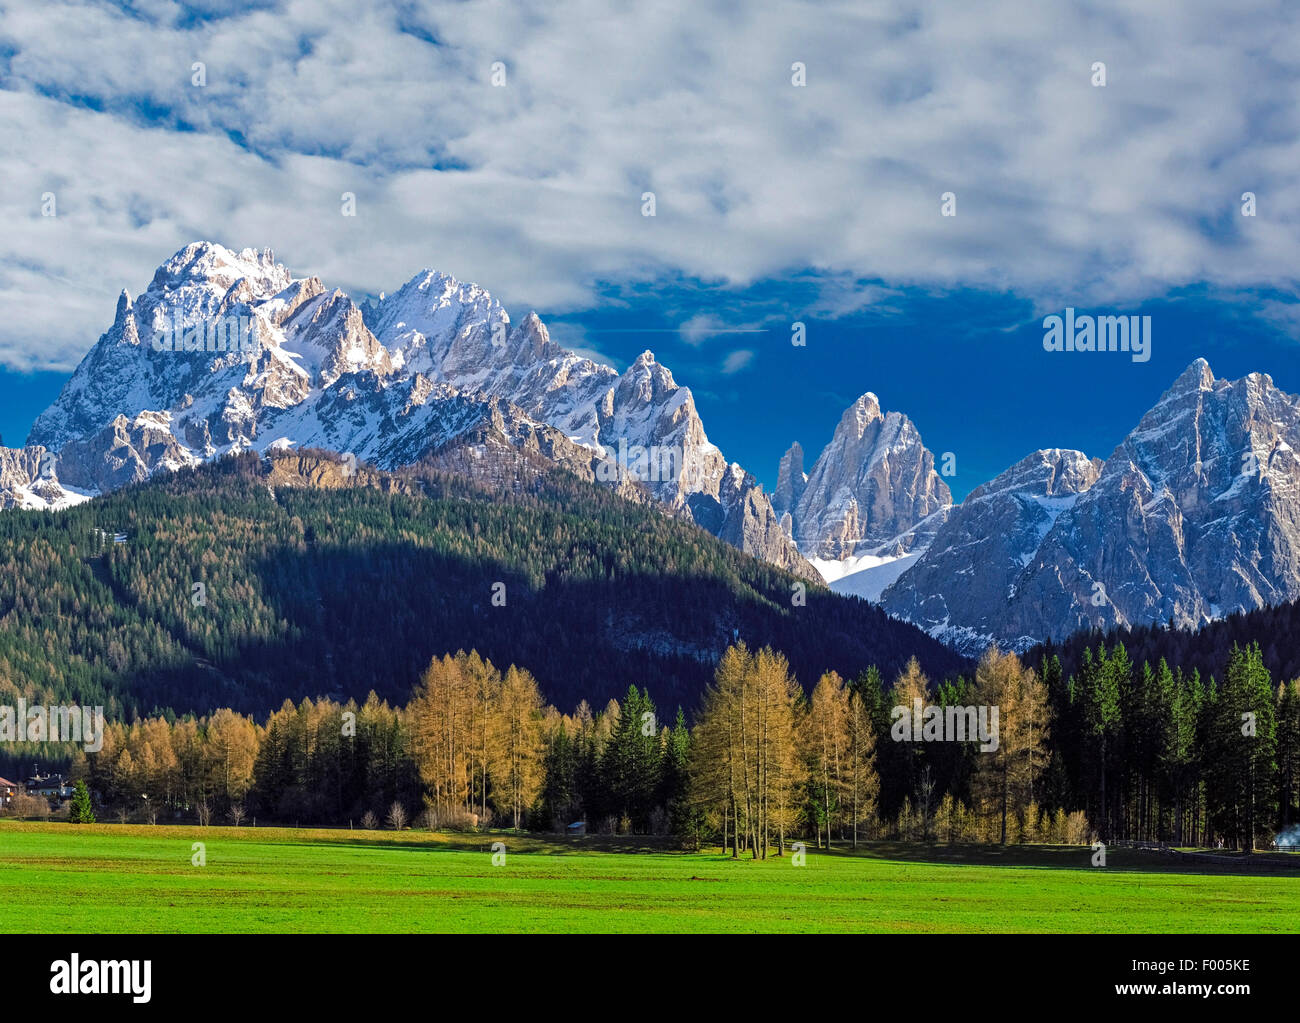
[737, 360]
[702, 327]
[1065, 192]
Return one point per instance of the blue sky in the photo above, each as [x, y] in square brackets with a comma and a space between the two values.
[968, 368]
[775, 202]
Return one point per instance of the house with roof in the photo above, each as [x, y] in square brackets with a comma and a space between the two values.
[8, 789]
[51, 786]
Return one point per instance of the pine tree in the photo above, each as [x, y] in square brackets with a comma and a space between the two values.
[674, 782]
[557, 787]
[1183, 756]
[630, 763]
[1241, 751]
[1101, 683]
[80, 810]
[1288, 753]
[902, 762]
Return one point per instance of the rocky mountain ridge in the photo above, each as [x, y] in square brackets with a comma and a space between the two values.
[228, 351]
[1195, 515]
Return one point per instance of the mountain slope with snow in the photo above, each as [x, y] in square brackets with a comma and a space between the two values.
[1195, 515]
[957, 588]
[228, 351]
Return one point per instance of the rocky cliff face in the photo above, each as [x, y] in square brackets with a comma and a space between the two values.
[957, 588]
[228, 351]
[1195, 515]
[29, 479]
[791, 482]
[873, 489]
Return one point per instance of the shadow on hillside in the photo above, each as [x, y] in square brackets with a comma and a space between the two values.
[352, 619]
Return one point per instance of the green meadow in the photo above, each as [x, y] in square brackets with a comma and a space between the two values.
[126, 878]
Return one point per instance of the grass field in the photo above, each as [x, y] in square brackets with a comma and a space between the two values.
[126, 878]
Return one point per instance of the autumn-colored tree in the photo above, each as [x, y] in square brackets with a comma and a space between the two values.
[903, 761]
[517, 748]
[744, 755]
[187, 747]
[441, 717]
[481, 685]
[230, 749]
[826, 742]
[784, 770]
[1005, 778]
[862, 783]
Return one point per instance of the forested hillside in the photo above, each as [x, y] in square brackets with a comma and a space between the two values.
[246, 582]
[1204, 650]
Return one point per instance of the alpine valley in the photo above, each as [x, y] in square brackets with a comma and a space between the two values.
[1195, 514]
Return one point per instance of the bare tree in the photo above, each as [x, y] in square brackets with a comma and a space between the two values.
[24, 805]
[237, 814]
[205, 814]
[428, 819]
[925, 798]
[369, 821]
[397, 816]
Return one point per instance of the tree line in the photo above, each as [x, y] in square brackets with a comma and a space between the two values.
[474, 745]
[1115, 751]
[1155, 753]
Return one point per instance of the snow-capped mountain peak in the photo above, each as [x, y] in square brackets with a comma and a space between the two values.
[1195, 514]
[972, 568]
[228, 350]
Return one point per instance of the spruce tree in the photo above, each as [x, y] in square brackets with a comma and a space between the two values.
[80, 811]
[1241, 751]
[1288, 753]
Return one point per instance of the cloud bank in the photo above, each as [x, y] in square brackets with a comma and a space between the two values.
[1065, 192]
